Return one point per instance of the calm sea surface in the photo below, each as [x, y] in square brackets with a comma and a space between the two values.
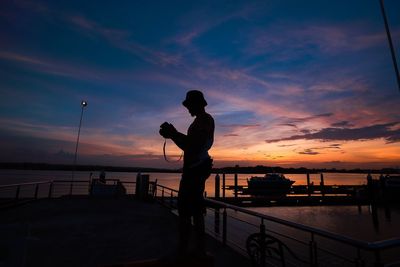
[172, 179]
[346, 220]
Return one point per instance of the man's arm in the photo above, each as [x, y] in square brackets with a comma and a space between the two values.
[179, 139]
[167, 130]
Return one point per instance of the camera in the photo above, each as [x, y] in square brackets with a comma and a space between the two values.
[165, 125]
[167, 129]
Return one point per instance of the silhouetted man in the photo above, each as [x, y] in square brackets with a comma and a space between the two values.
[196, 168]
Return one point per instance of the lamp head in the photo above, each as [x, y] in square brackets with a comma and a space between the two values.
[84, 103]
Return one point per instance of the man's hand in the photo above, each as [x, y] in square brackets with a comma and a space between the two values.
[167, 130]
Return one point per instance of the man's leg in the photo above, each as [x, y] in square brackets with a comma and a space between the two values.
[199, 229]
[184, 216]
[184, 233]
[198, 216]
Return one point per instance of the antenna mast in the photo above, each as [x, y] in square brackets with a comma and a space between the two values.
[396, 69]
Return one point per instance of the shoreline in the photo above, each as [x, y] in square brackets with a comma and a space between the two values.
[227, 170]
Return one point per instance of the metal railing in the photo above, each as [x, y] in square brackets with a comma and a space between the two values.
[303, 245]
[12, 194]
[235, 226]
[165, 195]
[33, 190]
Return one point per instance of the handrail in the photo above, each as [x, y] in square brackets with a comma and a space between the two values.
[71, 181]
[86, 181]
[374, 246]
[384, 244]
[22, 184]
[166, 187]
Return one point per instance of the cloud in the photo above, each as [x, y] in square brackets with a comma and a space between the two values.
[288, 124]
[91, 26]
[21, 58]
[245, 126]
[292, 121]
[54, 67]
[201, 25]
[287, 41]
[229, 135]
[123, 40]
[35, 6]
[342, 124]
[308, 152]
[338, 146]
[332, 146]
[350, 134]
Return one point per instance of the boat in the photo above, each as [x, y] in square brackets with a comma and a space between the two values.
[270, 184]
[392, 182]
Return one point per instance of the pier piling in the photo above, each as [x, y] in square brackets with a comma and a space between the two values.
[236, 180]
[217, 186]
[322, 185]
[216, 221]
[308, 185]
[223, 185]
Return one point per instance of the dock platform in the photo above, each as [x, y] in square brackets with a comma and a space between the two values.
[83, 231]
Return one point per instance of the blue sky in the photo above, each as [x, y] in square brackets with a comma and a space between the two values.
[289, 83]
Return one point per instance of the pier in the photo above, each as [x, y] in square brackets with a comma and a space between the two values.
[83, 231]
[373, 192]
[48, 224]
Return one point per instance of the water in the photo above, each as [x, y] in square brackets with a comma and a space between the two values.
[345, 220]
[172, 179]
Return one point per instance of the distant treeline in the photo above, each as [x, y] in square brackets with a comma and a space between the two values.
[236, 169]
[265, 169]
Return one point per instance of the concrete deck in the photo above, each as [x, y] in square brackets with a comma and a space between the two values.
[93, 232]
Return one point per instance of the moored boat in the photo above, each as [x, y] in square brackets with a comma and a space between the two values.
[270, 184]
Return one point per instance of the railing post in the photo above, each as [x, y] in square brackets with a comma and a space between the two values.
[216, 220]
[313, 252]
[17, 192]
[170, 199]
[322, 185]
[155, 189]
[359, 261]
[236, 181]
[162, 195]
[36, 191]
[70, 189]
[224, 226]
[378, 261]
[262, 243]
[223, 185]
[50, 189]
[217, 186]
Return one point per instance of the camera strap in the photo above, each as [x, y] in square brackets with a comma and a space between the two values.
[165, 155]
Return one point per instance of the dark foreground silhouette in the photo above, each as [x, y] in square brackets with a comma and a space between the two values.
[197, 165]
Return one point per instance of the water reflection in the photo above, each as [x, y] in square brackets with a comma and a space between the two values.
[369, 223]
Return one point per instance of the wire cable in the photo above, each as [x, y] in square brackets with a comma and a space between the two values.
[165, 154]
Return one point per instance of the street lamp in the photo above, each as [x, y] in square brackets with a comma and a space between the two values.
[83, 105]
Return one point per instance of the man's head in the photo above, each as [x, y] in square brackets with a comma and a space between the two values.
[194, 102]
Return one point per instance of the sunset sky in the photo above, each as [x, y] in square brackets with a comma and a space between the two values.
[290, 83]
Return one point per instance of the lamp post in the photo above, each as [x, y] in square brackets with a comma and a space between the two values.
[83, 105]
